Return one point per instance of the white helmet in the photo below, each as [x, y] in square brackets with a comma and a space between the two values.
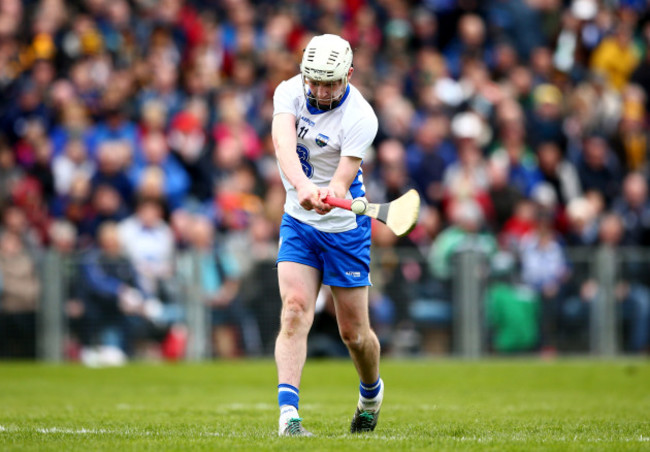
[327, 58]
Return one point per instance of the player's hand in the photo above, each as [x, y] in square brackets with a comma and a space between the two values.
[324, 207]
[309, 196]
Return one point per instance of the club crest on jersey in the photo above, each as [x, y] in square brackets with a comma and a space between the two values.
[321, 140]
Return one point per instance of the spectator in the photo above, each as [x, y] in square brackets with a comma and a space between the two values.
[631, 293]
[504, 197]
[153, 117]
[616, 57]
[571, 51]
[632, 140]
[105, 205]
[468, 177]
[470, 42]
[513, 149]
[398, 275]
[10, 172]
[583, 223]
[74, 206]
[156, 153]
[541, 65]
[237, 197]
[220, 284]
[19, 298]
[425, 30]
[149, 244]
[73, 161]
[27, 197]
[546, 117]
[41, 168]
[607, 106]
[187, 142]
[545, 269]
[512, 307]
[117, 310]
[518, 225]
[114, 127]
[164, 80]
[394, 176]
[394, 111]
[232, 124]
[465, 231]
[73, 125]
[248, 89]
[425, 163]
[28, 108]
[259, 283]
[557, 171]
[112, 161]
[641, 75]
[519, 23]
[633, 207]
[63, 239]
[598, 168]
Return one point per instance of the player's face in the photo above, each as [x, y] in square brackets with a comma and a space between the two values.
[326, 92]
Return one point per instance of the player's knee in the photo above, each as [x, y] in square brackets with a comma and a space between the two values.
[295, 314]
[353, 337]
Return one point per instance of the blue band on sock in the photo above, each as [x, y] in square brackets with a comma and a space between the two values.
[370, 391]
[288, 395]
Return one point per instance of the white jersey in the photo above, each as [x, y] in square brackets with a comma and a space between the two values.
[323, 137]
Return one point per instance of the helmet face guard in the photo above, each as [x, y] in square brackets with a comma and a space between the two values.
[324, 95]
[325, 66]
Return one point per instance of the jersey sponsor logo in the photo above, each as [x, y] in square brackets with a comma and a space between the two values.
[322, 140]
[308, 121]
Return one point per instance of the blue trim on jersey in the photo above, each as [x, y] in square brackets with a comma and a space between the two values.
[317, 111]
[356, 189]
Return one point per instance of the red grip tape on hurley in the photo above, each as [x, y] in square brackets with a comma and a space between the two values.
[338, 202]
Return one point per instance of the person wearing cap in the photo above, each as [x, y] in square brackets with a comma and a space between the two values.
[468, 176]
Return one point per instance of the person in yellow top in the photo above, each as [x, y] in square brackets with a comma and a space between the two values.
[616, 57]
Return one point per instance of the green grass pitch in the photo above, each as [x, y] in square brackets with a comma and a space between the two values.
[429, 405]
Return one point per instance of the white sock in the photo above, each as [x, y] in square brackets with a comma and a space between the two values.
[287, 412]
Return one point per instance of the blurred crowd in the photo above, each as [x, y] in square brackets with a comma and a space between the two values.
[131, 130]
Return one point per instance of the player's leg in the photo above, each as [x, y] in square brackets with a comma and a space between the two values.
[351, 305]
[299, 285]
[352, 315]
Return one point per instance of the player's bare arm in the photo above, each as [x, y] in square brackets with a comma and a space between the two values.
[283, 130]
[343, 177]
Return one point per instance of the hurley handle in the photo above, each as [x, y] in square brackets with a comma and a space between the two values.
[338, 202]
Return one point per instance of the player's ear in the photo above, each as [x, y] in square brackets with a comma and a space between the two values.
[350, 71]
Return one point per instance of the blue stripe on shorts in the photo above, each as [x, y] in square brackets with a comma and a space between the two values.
[342, 257]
